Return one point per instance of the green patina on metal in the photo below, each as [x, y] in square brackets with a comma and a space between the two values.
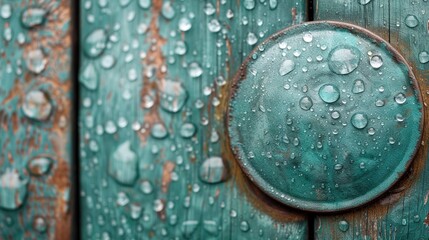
[325, 116]
[35, 115]
[154, 81]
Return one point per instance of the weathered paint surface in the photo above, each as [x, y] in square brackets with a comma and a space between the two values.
[403, 212]
[155, 160]
[35, 114]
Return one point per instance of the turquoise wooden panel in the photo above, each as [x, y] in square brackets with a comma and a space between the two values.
[35, 119]
[154, 159]
[402, 213]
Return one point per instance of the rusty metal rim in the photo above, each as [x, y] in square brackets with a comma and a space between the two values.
[313, 206]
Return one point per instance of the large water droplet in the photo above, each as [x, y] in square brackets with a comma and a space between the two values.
[146, 187]
[286, 67]
[343, 225]
[33, 17]
[424, 57]
[173, 96]
[95, 43]
[411, 21]
[13, 189]
[36, 61]
[213, 170]
[244, 226]
[123, 164]
[329, 93]
[159, 131]
[180, 48]
[211, 227]
[6, 11]
[214, 25]
[344, 59]
[249, 4]
[308, 37]
[358, 86]
[188, 130]
[376, 61]
[189, 227]
[359, 120]
[306, 103]
[252, 39]
[400, 98]
[273, 4]
[167, 10]
[185, 24]
[37, 105]
[39, 166]
[195, 70]
[89, 76]
[145, 4]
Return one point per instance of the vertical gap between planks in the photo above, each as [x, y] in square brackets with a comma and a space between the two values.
[75, 32]
[310, 10]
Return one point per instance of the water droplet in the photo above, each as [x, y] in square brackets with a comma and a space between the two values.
[189, 227]
[379, 103]
[338, 166]
[244, 226]
[376, 61]
[308, 37]
[158, 205]
[335, 115]
[6, 11]
[188, 130]
[108, 61]
[37, 105]
[249, 4]
[213, 170]
[146, 187]
[40, 224]
[36, 61]
[195, 70]
[211, 227]
[95, 43]
[359, 120]
[123, 164]
[135, 211]
[180, 48]
[400, 98]
[252, 39]
[411, 21]
[399, 117]
[173, 96]
[344, 59]
[305, 103]
[185, 24]
[122, 199]
[89, 76]
[286, 67]
[159, 131]
[358, 86]
[168, 11]
[214, 25]
[39, 166]
[13, 189]
[32, 17]
[371, 131]
[343, 225]
[273, 4]
[145, 4]
[209, 9]
[364, 2]
[424, 57]
[329, 93]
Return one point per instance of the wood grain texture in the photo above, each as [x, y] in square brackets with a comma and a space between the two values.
[137, 183]
[35, 115]
[403, 212]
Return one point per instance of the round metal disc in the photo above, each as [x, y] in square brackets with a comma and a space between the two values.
[325, 116]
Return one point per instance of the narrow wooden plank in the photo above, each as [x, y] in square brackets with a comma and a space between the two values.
[35, 119]
[402, 213]
[144, 173]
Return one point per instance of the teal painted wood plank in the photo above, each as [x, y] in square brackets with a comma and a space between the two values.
[35, 119]
[154, 80]
[402, 213]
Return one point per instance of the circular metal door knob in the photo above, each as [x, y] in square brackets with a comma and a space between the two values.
[325, 116]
